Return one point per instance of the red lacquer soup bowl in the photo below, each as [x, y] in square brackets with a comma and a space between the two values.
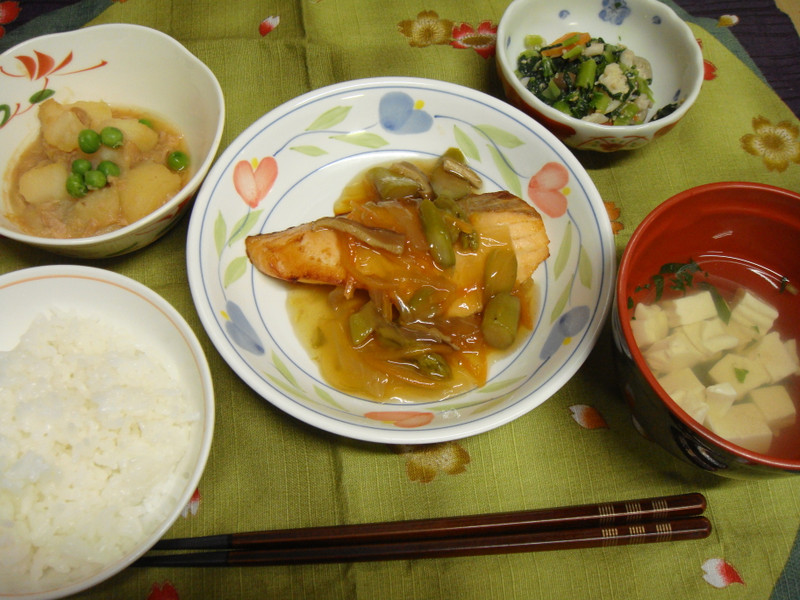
[734, 235]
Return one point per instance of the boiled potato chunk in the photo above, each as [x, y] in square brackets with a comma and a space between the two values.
[132, 130]
[97, 211]
[44, 184]
[60, 126]
[147, 186]
[92, 114]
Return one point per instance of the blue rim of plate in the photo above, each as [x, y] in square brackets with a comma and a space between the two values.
[238, 337]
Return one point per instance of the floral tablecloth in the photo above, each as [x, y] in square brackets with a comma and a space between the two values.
[267, 470]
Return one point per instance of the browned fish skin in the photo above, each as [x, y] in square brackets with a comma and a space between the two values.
[310, 254]
[303, 253]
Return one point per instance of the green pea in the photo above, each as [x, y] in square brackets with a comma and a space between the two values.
[147, 122]
[111, 137]
[178, 161]
[95, 179]
[81, 165]
[108, 168]
[76, 187]
[89, 141]
[501, 320]
[437, 234]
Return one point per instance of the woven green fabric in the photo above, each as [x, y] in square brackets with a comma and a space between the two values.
[267, 470]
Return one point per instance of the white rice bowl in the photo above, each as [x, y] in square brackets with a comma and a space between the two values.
[87, 482]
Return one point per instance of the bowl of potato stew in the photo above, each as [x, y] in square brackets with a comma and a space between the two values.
[105, 134]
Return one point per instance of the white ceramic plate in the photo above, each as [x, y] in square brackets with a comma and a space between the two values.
[290, 166]
[154, 324]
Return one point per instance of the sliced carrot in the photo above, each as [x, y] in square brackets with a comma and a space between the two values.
[572, 39]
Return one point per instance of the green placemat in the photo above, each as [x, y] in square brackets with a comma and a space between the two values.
[267, 470]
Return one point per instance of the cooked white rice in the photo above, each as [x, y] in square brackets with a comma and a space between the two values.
[94, 435]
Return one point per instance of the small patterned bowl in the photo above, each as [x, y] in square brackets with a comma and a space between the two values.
[124, 65]
[648, 27]
[732, 231]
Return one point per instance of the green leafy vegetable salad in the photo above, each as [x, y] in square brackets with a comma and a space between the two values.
[589, 79]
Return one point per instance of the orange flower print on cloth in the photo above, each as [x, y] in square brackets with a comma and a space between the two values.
[192, 506]
[268, 25]
[720, 573]
[9, 11]
[727, 21]
[613, 215]
[778, 145]
[483, 39]
[709, 68]
[163, 591]
[587, 416]
[423, 463]
[428, 29]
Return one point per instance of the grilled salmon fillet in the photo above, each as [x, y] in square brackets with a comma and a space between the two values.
[312, 253]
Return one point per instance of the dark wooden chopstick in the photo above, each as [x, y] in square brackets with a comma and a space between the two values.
[661, 519]
[619, 535]
[586, 515]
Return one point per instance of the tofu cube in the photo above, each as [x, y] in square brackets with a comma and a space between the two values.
[753, 312]
[710, 336]
[743, 373]
[745, 334]
[776, 405]
[771, 352]
[791, 350]
[693, 403]
[720, 397]
[743, 425]
[680, 379]
[673, 352]
[687, 391]
[690, 309]
[649, 324]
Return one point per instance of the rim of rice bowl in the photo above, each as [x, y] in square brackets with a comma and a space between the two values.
[102, 374]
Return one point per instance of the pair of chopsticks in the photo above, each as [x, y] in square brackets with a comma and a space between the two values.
[662, 519]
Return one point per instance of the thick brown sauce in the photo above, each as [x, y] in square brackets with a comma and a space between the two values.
[319, 315]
